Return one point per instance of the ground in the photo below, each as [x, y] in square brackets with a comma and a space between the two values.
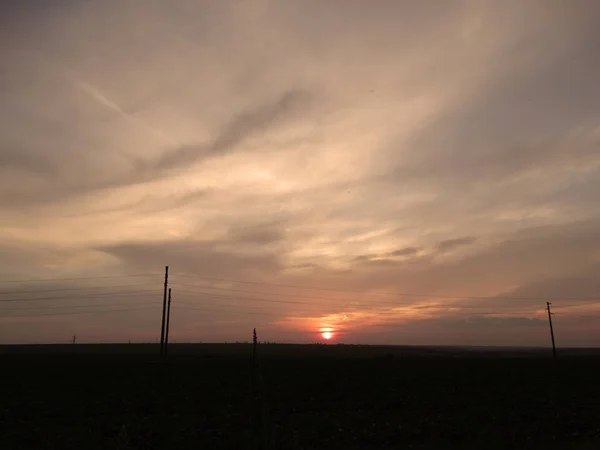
[313, 397]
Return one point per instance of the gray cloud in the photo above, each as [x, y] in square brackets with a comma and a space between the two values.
[89, 180]
[577, 289]
[258, 234]
[382, 258]
[491, 161]
[195, 257]
[515, 274]
[451, 244]
[22, 160]
[406, 251]
[521, 119]
[228, 139]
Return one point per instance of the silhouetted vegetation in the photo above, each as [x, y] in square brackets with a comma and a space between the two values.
[329, 397]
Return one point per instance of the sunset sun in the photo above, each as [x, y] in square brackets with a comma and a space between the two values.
[327, 335]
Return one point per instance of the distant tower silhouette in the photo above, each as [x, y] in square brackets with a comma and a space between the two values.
[74, 339]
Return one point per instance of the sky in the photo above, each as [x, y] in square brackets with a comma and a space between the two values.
[393, 172]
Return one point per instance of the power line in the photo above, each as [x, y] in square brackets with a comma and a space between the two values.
[187, 308]
[35, 308]
[41, 280]
[228, 305]
[355, 303]
[224, 311]
[75, 297]
[185, 294]
[376, 309]
[395, 294]
[322, 305]
[345, 306]
[213, 295]
[242, 311]
[210, 294]
[381, 309]
[82, 312]
[262, 313]
[74, 289]
[283, 294]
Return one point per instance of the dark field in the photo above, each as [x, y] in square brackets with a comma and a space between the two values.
[316, 397]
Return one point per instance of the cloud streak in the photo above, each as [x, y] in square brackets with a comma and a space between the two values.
[99, 97]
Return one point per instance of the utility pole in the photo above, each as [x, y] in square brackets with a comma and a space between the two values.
[548, 304]
[258, 443]
[162, 330]
[168, 321]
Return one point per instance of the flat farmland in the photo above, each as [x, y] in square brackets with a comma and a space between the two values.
[313, 397]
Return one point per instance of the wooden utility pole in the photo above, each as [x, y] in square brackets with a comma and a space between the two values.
[162, 330]
[168, 321]
[254, 360]
[548, 304]
[257, 423]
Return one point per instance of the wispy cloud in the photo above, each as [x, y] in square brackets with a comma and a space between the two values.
[98, 96]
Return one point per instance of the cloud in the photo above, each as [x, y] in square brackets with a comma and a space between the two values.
[99, 97]
[512, 275]
[451, 244]
[406, 251]
[496, 161]
[90, 180]
[228, 139]
[195, 257]
[388, 257]
[263, 234]
[22, 161]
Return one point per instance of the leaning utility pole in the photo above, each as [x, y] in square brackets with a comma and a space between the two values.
[548, 304]
[168, 321]
[162, 330]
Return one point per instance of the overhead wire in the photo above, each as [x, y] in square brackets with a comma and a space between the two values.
[73, 306]
[75, 288]
[363, 292]
[395, 294]
[236, 308]
[82, 312]
[283, 294]
[41, 280]
[344, 303]
[344, 308]
[187, 306]
[75, 297]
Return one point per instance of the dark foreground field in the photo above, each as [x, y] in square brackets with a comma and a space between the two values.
[317, 397]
